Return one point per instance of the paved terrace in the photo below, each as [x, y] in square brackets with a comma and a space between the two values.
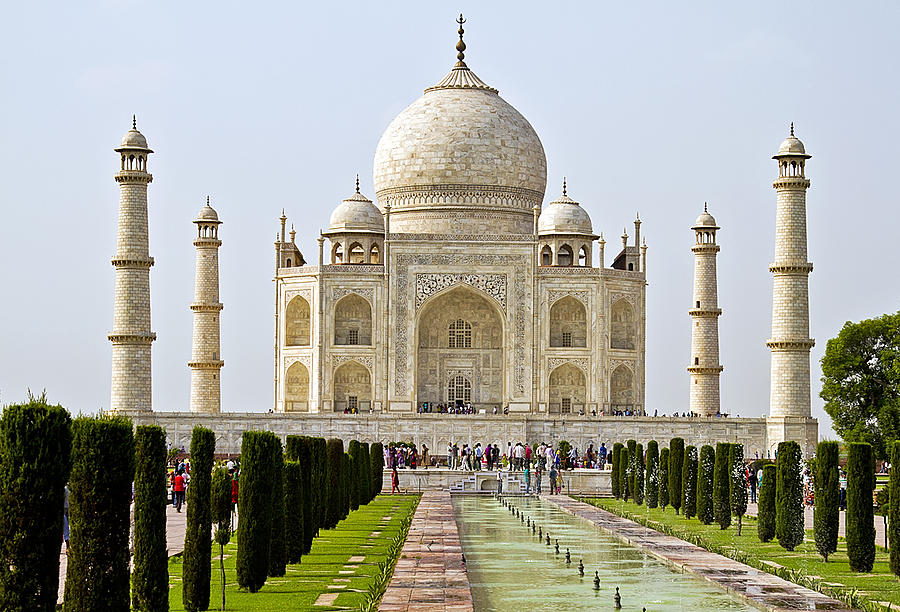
[430, 574]
[759, 588]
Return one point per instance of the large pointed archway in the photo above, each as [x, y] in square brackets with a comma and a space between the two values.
[459, 350]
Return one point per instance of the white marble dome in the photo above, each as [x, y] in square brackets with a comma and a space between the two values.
[134, 140]
[705, 220]
[564, 216]
[791, 147]
[356, 214]
[460, 159]
[207, 213]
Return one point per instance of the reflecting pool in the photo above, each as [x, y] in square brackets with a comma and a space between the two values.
[510, 569]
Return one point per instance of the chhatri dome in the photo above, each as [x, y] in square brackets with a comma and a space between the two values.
[356, 214]
[705, 220]
[460, 160]
[564, 216]
[134, 139]
[791, 147]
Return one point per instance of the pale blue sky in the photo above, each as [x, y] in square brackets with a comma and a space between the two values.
[650, 107]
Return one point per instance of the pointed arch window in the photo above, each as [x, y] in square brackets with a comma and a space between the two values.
[460, 334]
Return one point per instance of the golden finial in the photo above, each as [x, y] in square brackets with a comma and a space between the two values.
[134, 122]
[564, 186]
[461, 46]
[792, 128]
[357, 183]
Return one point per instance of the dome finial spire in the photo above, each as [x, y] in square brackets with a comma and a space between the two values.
[564, 186]
[134, 122]
[207, 200]
[792, 128]
[704, 207]
[357, 183]
[461, 46]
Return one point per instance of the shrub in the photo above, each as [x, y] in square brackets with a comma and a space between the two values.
[639, 474]
[220, 512]
[689, 482]
[35, 459]
[277, 552]
[860, 515]
[630, 467]
[721, 484]
[894, 510]
[614, 476]
[321, 496]
[365, 472]
[765, 525]
[197, 544]
[789, 497]
[624, 468]
[98, 577]
[353, 449]
[663, 478]
[346, 479]
[255, 509]
[294, 533]
[150, 579]
[652, 481]
[376, 456]
[738, 484]
[334, 485]
[705, 470]
[827, 498]
[676, 465]
[299, 449]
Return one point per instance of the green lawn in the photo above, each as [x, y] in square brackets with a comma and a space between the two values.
[320, 571]
[878, 586]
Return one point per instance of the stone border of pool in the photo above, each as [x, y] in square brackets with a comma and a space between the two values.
[756, 587]
[430, 574]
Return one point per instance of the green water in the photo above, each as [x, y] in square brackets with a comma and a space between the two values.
[510, 569]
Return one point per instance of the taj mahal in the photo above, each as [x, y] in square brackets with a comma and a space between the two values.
[465, 284]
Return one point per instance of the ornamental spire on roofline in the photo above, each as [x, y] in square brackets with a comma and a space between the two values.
[460, 76]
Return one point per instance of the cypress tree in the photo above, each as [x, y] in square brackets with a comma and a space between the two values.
[320, 460]
[629, 468]
[220, 511]
[705, 470]
[35, 459]
[652, 481]
[277, 554]
[300, 449]
[334, 485]
[614, 476]
[860, 513]
[765, 525]
[639, 474]
[376, 456]
[721, 486]
[689, 482]
[346, 479]
[826, 518]
[663, 478]
[738, 484]
[365, 472]
[355, 454]
[624, 468]
[197, 558]
[255, 509]
[294, 532]
[676, 465]
[97, 576]
[150, 579]
[789, 497]
[894, 509]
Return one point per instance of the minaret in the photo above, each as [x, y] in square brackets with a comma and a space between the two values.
[790, 342]
[205, 361]
[705, 311]
[131, 336]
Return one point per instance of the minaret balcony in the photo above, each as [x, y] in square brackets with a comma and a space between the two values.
[132, 262]
[211, 364]
[791, 182]
[135, 338]
[790, 344]
[791, 267]
[705, 312]
[133, 176]
[215, 307]
[705, 369]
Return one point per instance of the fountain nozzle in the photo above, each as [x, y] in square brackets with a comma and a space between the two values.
[568, 558]
[596, 580]
[556, 547]
[581, 567]
[617, 599]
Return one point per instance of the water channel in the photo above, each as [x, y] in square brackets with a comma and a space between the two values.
[510, 569]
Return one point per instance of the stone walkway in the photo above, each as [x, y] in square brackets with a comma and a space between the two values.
[430, 574]
[760, 588]
[808, 520]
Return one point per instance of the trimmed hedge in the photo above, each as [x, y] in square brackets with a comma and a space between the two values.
[353, 449]
[676, 465]
[197, 557]
[294, 532]
[97, 576]
[860, 513]
[614, 480]
[789, 496]
[150, 579]
[639, 468]
[376, 457]
[624, 468]
[689, 482]
[721, 486]
[705, 470]
[35, 459]
[894, 510]
[765, 524]
[334, 483]
[652, 481]
[277, 553]
[738, 484]
[827, 498]
[664, 478]
[255, 509]
[630, 467]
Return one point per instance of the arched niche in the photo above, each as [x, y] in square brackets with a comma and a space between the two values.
[353, 321]
[546, 256]
[352, 388]
[621, 388]
[357, 254]
[565, 256]
[296, 388]
[297, 322]
[622, 329]
[567, 389]
[568, 323]
[374, 254]
[337, 253]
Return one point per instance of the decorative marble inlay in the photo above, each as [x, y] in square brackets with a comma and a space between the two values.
[306, 294]
[492, 284]
[631, 298]
[365, 360]
[304, 359]
[555, 362]
[554, 296]
[367, 293]
[615, 363]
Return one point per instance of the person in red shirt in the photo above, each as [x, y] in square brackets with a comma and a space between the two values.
[178, 487]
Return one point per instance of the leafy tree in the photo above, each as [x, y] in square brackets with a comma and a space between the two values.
[35, 459]
[624, 468]
[721, 486]
[376, 456]
[353, 449]
[197, 558]
[630, 468]
[705, 470]
[293, 511]
[652, 474]
[255, 509]
[334, 485]
[861, 382]
[689, 482]
[894, 510]
[97, 576]
[827, 498]
[614, 477]
[860, 514]
[789, 497]
[220, 507]
[639, 474]
[765, 525]
[663, 478]
[738, 484]
[277, 554]
[150, 579]
[676, 465]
